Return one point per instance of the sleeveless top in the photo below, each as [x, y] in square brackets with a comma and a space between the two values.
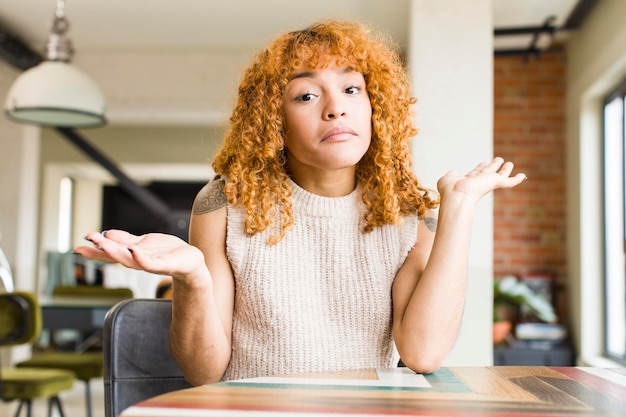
[320, 299]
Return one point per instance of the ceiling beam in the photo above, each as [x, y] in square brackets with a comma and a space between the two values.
[16, 53]
[575, 19]
[579, 14]
[141, 194]
[548, 28]
[523, 30]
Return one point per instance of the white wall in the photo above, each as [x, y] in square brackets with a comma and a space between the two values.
[596, 63]
[19, 168]
[19, 202]
[451, 62]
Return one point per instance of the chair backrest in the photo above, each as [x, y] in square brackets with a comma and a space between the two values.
[20, 322]
[138, 363]
[92, 291]
[20, 318]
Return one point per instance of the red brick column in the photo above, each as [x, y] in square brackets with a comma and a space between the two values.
[529, 129]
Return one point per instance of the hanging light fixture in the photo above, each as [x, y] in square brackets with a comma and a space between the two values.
[55, 93]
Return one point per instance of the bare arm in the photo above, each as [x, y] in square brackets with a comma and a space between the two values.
[429, 290]
[203, 286]
[202, 308]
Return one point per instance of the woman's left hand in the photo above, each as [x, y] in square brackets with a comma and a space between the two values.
[484, 178]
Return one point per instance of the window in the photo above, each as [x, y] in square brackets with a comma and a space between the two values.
[66, 197]
[614, 224]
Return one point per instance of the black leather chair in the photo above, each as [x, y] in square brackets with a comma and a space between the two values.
[138, 363]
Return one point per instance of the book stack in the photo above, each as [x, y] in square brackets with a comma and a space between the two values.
[543, 336]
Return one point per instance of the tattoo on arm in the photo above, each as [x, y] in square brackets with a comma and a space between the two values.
[431, 223]
[210, 198]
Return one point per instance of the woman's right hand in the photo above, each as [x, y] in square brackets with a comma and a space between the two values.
[156, 253]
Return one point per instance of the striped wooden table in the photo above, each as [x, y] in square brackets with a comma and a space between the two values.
[497, 391]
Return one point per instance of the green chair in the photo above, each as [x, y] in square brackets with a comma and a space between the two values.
[20, 323]
[92, 291]
[85, 365]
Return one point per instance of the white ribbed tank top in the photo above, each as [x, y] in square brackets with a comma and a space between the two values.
[319, 300]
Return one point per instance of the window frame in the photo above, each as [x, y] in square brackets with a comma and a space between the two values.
[618, 93]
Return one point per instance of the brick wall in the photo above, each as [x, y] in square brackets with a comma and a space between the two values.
[529, 129]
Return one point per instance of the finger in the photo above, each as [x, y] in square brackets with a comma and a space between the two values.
[521, 176]
[111, 239]
[95, 237]
[477, 169]
[116, 252]
[506, 169]
[93, 253]
[120, 236]
[511, 182]
[494, 166]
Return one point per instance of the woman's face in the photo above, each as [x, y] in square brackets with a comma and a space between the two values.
[327, 115]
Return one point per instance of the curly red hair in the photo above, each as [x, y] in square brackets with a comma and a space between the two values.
[252, 156]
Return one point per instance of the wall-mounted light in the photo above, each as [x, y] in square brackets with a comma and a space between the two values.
[55, 93]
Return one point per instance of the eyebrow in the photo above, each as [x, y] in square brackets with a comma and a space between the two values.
[311, 74]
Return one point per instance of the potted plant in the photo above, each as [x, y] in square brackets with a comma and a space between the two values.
[509, 294]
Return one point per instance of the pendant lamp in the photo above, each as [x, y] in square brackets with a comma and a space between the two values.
[55, 93]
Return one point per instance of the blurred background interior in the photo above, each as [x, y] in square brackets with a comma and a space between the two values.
[538, 82]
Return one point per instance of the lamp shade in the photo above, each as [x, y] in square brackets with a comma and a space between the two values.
[55, 93]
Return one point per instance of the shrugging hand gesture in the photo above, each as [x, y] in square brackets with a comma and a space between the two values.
[157, 253]
[484, 178]
[165, 254]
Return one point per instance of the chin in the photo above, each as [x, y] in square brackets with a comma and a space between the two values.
[345, 161]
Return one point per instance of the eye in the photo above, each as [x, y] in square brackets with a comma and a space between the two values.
[305, 97]
[353, 90]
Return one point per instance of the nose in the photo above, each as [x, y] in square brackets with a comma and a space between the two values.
[334, 107]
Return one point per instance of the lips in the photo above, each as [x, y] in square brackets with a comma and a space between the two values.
[338, 133]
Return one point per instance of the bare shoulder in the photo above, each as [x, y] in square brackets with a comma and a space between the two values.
[208, 223]
[210, 198]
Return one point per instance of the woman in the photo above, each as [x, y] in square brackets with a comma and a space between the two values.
[316, 247]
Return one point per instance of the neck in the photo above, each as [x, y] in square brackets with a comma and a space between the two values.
[327, 183]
